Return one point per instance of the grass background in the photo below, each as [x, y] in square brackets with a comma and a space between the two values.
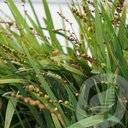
[40, 82]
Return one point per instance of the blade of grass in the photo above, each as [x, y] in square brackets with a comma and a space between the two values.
[73, 70]
[72, 97]
[5, 81]
[122, 28]
[37, 28]
[34, 12]
[92, 121]
[99, 32]
[49, 120]
[10, 112]
[56, 121]
[50, 25]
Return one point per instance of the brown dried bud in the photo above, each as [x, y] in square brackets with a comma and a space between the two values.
[32, 102]
[27, 99]
[41, 106]
[55, 53]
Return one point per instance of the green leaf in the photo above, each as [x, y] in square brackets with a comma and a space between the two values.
[50, 26]
[87, 122]
[33, 10]
[5, 81]
[122, 27]
[71, 69]
[56, 121]
[99, 32]
[10, 112]
[94, 120]
[125, 54]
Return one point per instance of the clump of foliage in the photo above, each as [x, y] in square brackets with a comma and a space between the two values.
[40, 82]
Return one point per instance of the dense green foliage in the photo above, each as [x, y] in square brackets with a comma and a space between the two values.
[40, 81]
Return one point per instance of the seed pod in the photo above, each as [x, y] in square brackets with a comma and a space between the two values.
[26, 100]
[77, 48]
[83, 55]
[18, 96]
[32, 102]
[41, 106]
[13, 94]
[38, 94]
[38, 102]
[46, 97]
[55, 109]
[89, 29]
[55, 53]
[23, 1]
[60, 101]
[76, 94]
[100, 12]
[51, 101]
[66, 102]
[37, 90]
[10, 23]
[103, 65]
[55, 101]
[31, 87]
[90, 39]
[41, 93]
[106, 83]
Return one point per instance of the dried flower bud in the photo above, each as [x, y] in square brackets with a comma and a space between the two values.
[55, 53]
[32, 102]
[41, 106]
[26, 100]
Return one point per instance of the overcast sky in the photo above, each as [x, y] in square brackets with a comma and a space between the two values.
[50, 1]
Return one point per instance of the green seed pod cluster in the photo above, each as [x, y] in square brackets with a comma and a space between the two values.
[81, 15]
[104, 82]
[103, 65]
[37, 91]
[34, 89]
[46, 97]
[11, 51]
[66, 102]
[21, 61]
